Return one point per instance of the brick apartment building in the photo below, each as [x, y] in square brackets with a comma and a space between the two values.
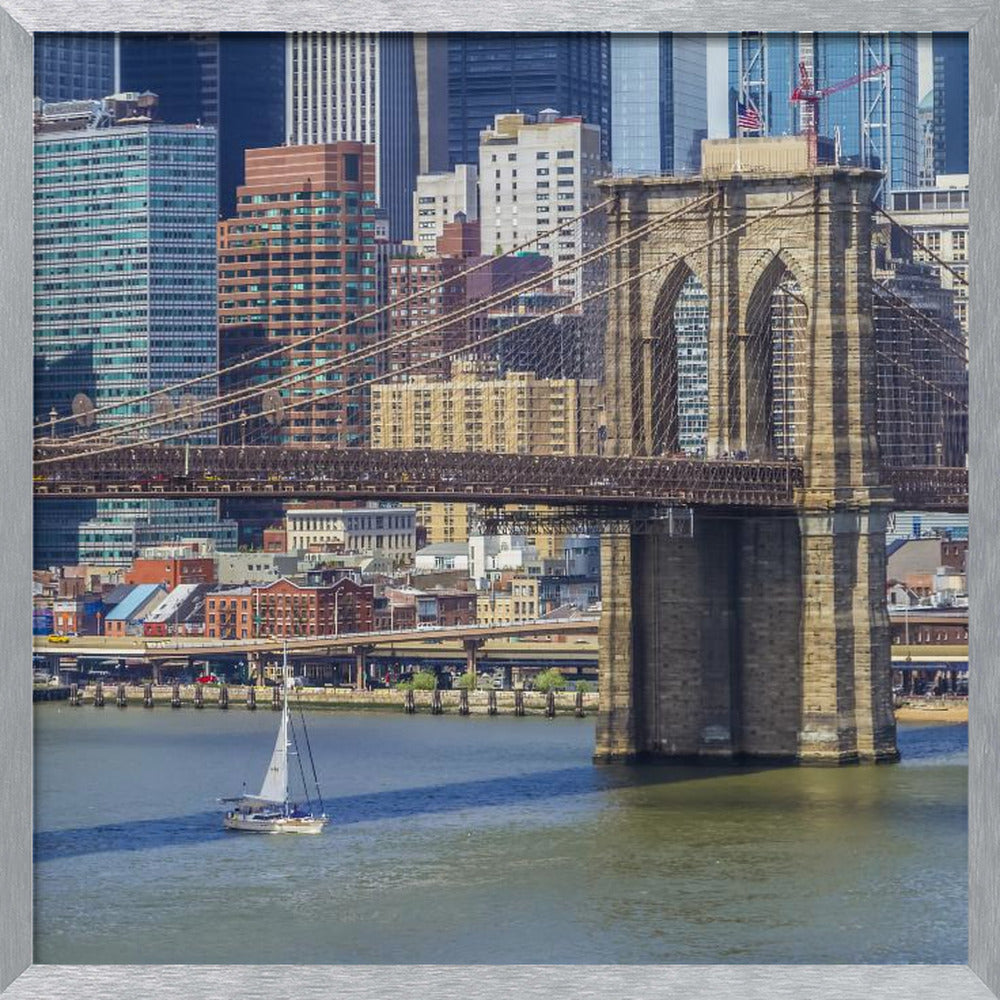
[299, 257]
[286, 608]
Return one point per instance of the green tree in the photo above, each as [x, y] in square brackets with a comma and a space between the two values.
[550, 680]
[466, 682]
[584, 686]
[425, 680]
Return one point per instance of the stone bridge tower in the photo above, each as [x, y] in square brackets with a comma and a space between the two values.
[761, 636]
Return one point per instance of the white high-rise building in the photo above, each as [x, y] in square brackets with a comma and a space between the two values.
[534, 173]
[358, 86]
[437, 200]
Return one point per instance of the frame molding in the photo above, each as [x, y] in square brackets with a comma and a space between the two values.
[20, 980]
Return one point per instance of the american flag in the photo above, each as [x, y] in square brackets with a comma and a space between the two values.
[747, 117]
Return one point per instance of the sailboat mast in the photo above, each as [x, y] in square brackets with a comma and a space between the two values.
[284, 714]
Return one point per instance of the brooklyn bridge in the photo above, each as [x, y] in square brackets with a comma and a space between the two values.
[760, 372]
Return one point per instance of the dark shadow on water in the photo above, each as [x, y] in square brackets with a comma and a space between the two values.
[203, 827]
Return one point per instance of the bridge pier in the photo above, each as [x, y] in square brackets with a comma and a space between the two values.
[472, 647]
[758, 637]
[360, 652]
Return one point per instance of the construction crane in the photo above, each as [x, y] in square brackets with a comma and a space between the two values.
[809, 97]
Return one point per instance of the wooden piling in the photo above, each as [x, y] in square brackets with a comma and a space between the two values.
[74, 695]
[409, 704]
[147, 696]
[252, 698]
[224, 696]
[491, 702]
[579, 704]
[199, 696]
[175, 696]
[436, 708]
[519, 701]
[463, 702]
[99, 695]
[276, 698]
[120, 699]
[550, 705]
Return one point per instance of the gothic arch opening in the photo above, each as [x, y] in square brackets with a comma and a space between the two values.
[772, 365]
[679, 370]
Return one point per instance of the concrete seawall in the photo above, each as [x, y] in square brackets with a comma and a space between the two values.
[345, 699]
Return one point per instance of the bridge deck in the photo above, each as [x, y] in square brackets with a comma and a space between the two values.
[419, 476]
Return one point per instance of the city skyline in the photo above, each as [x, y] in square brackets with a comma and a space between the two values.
[532, 170]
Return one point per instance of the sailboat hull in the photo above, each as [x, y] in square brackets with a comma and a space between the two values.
[274, 824]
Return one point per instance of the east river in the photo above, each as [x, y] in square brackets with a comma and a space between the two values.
[485, 840]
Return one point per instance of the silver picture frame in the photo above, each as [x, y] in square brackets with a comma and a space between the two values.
[21, 980]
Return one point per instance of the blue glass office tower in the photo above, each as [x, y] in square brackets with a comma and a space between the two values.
[659, 113]
[234, 82]
[125, 303]
[876, 119]
[492, 73]
[951, 103]
[75, 67]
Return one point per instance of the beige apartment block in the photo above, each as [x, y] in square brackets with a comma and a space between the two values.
[478, 410]
[519, 604]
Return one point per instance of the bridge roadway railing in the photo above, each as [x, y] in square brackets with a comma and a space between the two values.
[938, 488]
[418, 475]
[480, 477]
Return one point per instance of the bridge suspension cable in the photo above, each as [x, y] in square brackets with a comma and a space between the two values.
[480, 341]
[404, 339]
[47, 425]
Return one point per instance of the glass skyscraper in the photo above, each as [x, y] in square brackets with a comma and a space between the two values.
[491, 73]
[360, 87]
[951, 103]
[876, 119]
[125, 303]
[659, 113]
[75, 67]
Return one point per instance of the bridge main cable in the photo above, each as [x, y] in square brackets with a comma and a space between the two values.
[294, 404]
[405, 339]
[326, 332]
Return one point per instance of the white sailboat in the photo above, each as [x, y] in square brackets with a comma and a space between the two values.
[272, 811]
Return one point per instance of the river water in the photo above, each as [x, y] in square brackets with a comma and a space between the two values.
[485, 840]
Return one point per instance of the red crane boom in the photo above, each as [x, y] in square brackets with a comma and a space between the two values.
[805, 93]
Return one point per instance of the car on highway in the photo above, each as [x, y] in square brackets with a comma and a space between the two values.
[58, 638]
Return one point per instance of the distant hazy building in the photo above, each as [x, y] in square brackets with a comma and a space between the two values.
[232, 81]
[490, 73]
[951, 103]
[939, 217]
[536, 172]
[438, 199]
[75, 67]
[659, 112]
[359, 87]
[416, 300]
